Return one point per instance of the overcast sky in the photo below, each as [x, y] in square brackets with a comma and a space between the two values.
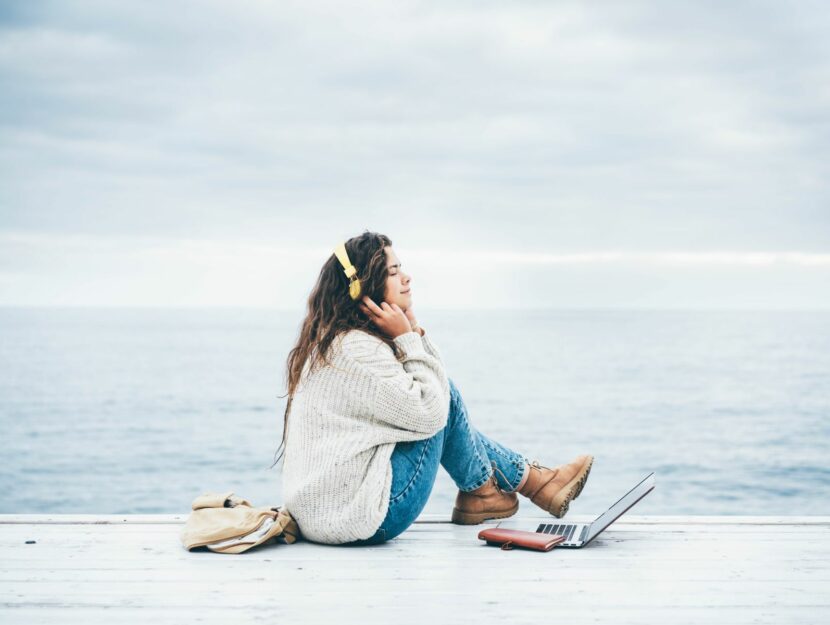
[518, 154]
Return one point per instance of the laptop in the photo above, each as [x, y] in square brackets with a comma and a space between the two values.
[580, 534]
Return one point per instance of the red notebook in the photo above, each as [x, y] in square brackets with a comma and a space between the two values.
[518, 538]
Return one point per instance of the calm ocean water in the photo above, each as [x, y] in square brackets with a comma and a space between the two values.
[139, 411]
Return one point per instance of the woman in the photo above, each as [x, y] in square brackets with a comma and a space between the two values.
[371, 414]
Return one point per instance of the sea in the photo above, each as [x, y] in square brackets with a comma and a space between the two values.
[138, 411]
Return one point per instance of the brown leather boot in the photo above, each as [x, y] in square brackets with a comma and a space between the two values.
[488, 501]
[553, 489]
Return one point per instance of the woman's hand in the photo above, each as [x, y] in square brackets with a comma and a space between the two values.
[410, 314]
[389, 318]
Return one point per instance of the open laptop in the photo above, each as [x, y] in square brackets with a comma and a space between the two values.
[580, 534]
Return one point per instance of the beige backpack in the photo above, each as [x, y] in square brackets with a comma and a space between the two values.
[225, 523]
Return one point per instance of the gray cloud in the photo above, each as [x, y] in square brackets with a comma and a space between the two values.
[527, 126]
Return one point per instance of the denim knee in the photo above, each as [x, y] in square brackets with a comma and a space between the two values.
[455, 395]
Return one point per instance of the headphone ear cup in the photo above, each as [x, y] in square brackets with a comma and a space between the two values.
[354, 288]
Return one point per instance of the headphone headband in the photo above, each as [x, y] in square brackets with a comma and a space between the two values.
[348, 269]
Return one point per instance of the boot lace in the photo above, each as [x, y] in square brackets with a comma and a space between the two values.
[496, 482]
[536, 465]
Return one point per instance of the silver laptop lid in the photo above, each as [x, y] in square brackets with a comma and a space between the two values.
[618, 509]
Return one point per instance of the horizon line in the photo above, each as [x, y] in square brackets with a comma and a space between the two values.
[422, 308]
[165, 246]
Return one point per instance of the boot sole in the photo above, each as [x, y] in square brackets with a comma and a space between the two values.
[474, 518]
[562, 499]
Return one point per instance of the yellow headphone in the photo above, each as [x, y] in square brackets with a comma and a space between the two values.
[350, 271]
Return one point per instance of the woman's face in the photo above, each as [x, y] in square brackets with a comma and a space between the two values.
[397, 283]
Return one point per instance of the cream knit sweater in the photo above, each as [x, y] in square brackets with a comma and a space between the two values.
[342, 429]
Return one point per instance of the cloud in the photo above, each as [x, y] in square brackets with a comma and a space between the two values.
[533, 128]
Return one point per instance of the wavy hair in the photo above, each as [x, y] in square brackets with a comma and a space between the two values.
[331, 311]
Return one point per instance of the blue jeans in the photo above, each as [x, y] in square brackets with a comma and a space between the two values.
[468, 456]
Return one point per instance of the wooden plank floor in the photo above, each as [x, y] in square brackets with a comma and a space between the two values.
[114, 569]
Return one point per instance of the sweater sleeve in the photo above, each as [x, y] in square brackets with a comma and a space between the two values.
[430, 347]
[413, 394]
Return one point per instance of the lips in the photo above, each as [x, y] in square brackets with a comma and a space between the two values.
[407, 291]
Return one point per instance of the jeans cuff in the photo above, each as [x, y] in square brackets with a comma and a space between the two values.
[481, 483]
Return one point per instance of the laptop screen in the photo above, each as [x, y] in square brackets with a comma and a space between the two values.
[625, 502]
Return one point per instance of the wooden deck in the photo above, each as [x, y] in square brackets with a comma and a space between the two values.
[114, 569]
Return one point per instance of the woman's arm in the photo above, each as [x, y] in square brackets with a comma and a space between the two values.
[413, 394]
[430, 347]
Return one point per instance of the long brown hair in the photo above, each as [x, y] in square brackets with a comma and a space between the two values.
[331, 311]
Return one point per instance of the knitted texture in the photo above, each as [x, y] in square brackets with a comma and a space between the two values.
[344, 422]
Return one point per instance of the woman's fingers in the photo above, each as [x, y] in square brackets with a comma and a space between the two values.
[379, 313]
[371, 305]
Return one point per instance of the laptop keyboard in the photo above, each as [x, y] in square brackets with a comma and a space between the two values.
[564, 529]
